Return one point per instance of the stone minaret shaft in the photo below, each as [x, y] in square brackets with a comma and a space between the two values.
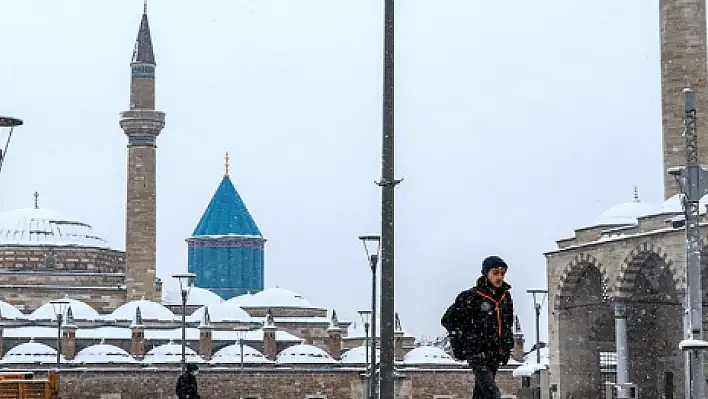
[683, 64]
[142, 124]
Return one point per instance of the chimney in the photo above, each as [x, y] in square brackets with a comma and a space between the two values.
[68, 339]
[206, 331]
[137, 335]
[270, 345]
[398, 334]
[518, 352]
[334, 342]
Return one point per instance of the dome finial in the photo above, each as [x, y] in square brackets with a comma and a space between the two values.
[36, 200]
[145, 7]
[636, 194]
[226, 164]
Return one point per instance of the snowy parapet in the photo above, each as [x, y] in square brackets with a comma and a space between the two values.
[690, 344]
[528, 369]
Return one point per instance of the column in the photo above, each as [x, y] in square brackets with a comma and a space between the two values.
[621, 345]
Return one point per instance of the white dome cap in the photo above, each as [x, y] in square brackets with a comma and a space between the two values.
[198, 296]
[36, 226]
[274, 298]
[171, 353]
[31, 353]
[626, 213]
[79, 311]
[103, 353]
[149, 311]
[223, 312]
[232, 355]
[428, 355]
[304, 354]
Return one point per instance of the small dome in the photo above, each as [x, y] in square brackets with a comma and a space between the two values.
[171, 353]
[223, 312]
[357, 355]
[31, 353]
[171, 295]
[103, 353]
[675, 205]
[79, 310]
[428, 355]
[274, 298]
[232, 355]
[45, 227]
[304, 354]
[149, 310]
[624, 214]
[10, 312]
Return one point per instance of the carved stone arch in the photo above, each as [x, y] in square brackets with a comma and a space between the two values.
[573, 272]
[632, 265]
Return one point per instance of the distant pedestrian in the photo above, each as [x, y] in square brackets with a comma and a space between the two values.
[480, 326]
[187, 383]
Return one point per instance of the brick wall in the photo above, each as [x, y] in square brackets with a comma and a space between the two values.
[45, 258]
[267, 384]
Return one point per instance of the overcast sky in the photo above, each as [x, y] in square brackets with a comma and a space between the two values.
[516, 122]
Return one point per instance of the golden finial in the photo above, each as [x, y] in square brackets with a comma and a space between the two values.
[226, 164]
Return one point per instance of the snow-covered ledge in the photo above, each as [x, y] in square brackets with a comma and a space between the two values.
[690, 344]
[528, 369]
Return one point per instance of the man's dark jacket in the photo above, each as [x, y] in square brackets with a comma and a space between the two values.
[481, 322]
[187, 386]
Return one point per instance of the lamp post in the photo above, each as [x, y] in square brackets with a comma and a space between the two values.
[59, 306]
[372, 246]
[537, 304]
[365, 318]
[241, 335]
[186, 280]
[11, 123]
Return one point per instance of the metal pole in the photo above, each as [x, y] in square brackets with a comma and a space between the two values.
[388, 184]
[693, 187]
[621, 345]
[240, 343]
[367, 391]
[373, 260]
[538, 332]
[184, 331]
[59, 346]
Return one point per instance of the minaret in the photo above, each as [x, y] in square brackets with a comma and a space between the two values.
[142, 124]
[683, 64]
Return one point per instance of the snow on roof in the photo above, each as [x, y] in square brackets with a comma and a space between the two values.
[10, 312]
[79, 310]
[674, 205]
[149, 311]
[356, 330]
[31, 353]
[232, 355]
[36, 226]
[428, 355]
[304, 354]
[624, 214]
[223, 312]
[357, 355]
[171, 353]
[273, 297]
[198, 296]
[102, 354]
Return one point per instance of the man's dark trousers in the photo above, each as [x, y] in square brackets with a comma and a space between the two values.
[484, 385]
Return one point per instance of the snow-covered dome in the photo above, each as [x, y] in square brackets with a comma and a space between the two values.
[31, 353]
[149, 311]
[79, 310]
[198, 296]
[171, 353]
[38, 226]
[674, 204]
[273, 297]
[304, 354]
[10, 312]
[232, 355]
[624, 214]
[102, 353]
[428, 355]
[223, 312]
[357, 355]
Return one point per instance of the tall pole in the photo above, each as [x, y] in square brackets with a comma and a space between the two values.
[240, 344]
[693, 187]
[60, 318]
[537, 306]
[388, 184]
[367, 391]
[621, 345]
[373, 260]
[184, 331]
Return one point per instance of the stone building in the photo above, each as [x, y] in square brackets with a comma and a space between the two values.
[627, 267]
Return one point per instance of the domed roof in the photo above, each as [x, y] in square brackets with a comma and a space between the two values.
[274, 298]
[171, 353]
[31, 353]
[232, 354]
[149, 310]
[38, 226]
[103, 353]
[171, 295]
[358, 355]
[79, 310]
[428, 355]
[223, 312]
[675, 204]
[624, 214]
[303, 353]
[10, 312]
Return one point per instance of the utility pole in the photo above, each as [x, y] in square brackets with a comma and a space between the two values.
[693, 180]
[388, 184]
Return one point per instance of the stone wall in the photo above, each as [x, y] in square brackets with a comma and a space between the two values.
[55, 258]
[269, 384]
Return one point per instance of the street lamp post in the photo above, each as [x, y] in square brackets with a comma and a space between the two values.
[186, 280]
[11, 123]
[372, 246]
[537, 304]
[60, 307]
[365, 318]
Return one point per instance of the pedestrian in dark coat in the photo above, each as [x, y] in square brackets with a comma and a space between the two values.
[187, 383]
[480, 326]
